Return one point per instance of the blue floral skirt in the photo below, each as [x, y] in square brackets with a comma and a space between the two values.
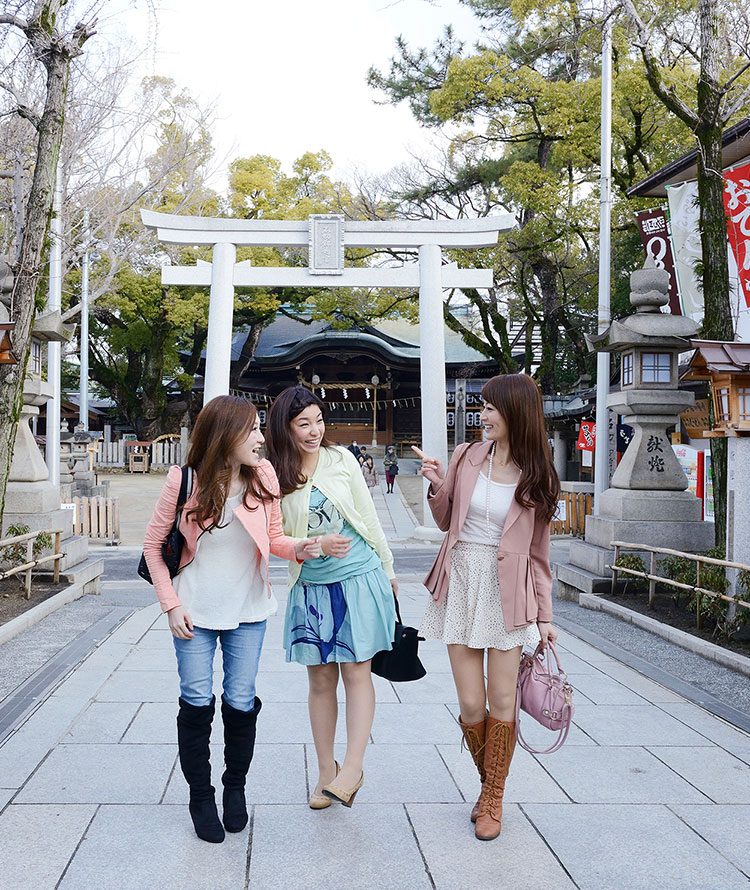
[347, 620]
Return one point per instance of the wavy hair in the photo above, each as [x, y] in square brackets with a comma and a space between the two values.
[222, 424]
[518, 399]
[281, 446]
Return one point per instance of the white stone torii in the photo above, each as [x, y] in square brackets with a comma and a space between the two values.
[326, 236]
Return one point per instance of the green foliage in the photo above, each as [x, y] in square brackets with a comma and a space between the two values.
[527, 103]
[634, 562]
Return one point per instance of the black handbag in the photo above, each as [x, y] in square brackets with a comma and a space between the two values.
[400, 663]
[171, 549]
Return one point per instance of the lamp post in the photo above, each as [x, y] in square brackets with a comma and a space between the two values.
[375, 381]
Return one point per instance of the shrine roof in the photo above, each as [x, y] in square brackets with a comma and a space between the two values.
[735, 147]
[719, 357]
[286, 336]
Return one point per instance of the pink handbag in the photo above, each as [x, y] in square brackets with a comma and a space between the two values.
[545, 695]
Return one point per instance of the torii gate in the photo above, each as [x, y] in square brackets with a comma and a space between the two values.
[326, 236]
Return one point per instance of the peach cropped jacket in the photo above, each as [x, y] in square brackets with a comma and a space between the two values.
[523, 551]
[263, 524]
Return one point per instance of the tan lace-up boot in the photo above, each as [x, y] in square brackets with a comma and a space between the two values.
[474, 734]
[500, 742]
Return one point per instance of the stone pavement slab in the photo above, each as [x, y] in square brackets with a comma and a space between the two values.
[720, 776]
[101, 774]
[277, 776]
[456, 860]
[396, 773]
[631, 725]
[718, 731]
[620, 775]
[103, 721]
[138, 847]
[54, 831]
[634, 847]
[366, 847]
[724, 827]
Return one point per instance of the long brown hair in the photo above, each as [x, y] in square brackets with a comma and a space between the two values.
[219, 427]
[518, 399]
[281, 446]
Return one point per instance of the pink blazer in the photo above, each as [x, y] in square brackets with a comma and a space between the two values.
[263, 524]
[523, 552]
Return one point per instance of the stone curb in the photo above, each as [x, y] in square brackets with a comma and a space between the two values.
[31, 617]
[724, 657]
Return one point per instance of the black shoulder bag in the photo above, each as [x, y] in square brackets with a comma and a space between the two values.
[401, 662]
[171, 549]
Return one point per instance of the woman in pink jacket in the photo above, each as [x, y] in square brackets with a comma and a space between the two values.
[222, 593]
[491, 582]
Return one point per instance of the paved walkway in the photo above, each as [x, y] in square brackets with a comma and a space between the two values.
[650, 791]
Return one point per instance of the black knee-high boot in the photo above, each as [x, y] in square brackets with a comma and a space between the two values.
[193, 734]
[239, 744]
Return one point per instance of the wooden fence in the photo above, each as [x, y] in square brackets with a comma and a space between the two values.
[654, 579]
[572, 509]
[163, 454]
[97, 518]
[31, 561]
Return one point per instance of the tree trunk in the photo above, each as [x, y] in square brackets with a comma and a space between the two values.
[55, 54]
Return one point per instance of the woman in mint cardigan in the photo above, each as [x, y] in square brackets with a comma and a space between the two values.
[341, 608]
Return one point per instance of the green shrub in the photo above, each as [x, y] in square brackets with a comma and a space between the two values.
[13, 555]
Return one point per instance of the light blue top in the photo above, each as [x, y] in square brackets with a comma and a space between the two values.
[324, 519]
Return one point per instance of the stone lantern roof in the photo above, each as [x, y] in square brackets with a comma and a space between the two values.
[649, 326]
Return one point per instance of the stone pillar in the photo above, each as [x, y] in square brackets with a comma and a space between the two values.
[738, 508]
[220, 318]
[432, 365]
[560, 452]
[184, 436]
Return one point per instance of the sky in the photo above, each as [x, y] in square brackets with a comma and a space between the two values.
[289, 76]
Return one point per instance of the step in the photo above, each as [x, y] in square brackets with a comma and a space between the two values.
[580, 579]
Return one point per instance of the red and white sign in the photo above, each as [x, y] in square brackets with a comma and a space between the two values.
[587, 436]
[737, 207]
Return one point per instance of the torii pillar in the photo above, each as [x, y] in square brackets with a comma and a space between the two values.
[326, 236]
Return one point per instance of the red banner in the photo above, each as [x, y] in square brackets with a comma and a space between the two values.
[652, 224]
[587, 436]
[737, 208]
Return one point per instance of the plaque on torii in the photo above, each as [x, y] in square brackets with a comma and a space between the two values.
[326, 236]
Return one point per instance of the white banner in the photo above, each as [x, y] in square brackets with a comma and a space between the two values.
[686, 245]
[684, 219]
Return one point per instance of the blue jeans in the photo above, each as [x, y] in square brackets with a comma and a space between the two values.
[240, 650]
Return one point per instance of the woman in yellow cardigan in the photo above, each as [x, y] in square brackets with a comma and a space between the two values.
[341, 608]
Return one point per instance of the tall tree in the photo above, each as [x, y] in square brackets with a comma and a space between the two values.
[52, 43]
[704, 46]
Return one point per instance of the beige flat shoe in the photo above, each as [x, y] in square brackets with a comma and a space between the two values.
[320, 801]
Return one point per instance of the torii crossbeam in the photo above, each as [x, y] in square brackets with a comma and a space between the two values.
[326, 236]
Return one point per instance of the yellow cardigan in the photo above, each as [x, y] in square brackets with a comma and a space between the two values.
[339, 477]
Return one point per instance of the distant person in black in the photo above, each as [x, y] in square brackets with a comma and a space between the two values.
[354, 448]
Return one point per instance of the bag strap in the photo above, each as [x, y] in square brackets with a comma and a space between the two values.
[558, 743]
[186, 489]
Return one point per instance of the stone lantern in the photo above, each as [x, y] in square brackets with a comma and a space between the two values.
[647, 501]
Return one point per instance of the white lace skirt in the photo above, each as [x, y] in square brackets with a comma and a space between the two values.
[471, 613]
